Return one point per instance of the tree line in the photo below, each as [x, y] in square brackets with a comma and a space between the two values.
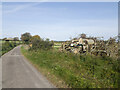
[36, 42]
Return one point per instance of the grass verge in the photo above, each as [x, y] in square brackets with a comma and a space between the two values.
[75, 71]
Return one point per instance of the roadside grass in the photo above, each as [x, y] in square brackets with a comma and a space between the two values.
[75, 71]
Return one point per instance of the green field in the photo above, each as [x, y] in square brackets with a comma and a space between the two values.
[76, 71]
[57, 45]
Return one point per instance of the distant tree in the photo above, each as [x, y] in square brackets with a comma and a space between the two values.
[47, 39]
[75, 38]
[52, 42]
[16, 39]
[4, 39]
[83, 35]
[26, 37]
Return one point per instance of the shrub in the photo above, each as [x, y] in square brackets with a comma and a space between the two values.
[26, 38]
[38, 43]
[7, 46]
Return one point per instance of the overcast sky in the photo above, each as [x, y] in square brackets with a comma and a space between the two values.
[59, 21]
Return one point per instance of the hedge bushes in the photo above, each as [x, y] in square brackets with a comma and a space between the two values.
[7, 46]
[38, 43]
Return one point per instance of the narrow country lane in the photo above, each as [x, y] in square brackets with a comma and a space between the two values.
[19, 73]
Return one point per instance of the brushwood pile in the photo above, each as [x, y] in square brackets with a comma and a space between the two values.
[92, 45]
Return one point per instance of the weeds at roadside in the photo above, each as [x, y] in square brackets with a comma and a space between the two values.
[77, 71]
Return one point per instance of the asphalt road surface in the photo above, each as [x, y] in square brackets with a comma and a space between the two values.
[19, 73]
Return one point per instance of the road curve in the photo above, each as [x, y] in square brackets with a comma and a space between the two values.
[19, 73]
